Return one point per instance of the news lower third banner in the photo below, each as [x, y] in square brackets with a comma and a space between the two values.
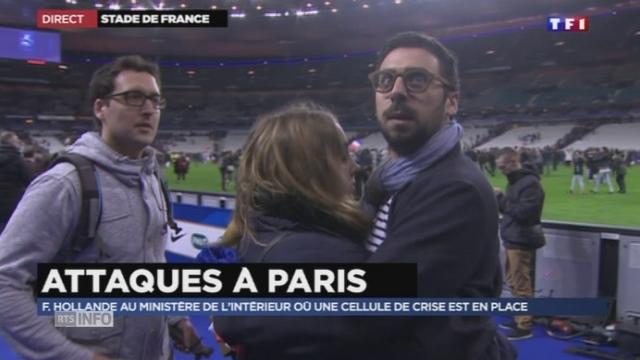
[92, 294]
[323, 307]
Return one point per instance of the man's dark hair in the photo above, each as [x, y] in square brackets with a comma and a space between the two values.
[102, 80]
[411, 39]
[510, 154]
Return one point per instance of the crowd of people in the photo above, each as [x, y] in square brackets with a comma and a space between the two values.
[598, 165]
[601, 165]
[528, 139]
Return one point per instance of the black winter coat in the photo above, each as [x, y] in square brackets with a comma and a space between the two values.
[521, 209]
[446, 221]
[294, 236]
[14, 179]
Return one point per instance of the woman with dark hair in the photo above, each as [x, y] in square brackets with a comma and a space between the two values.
[295, 204]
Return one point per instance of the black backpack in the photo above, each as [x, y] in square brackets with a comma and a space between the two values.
[91, 211]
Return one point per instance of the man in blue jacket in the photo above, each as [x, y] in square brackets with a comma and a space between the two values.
[433, 206]
[521, 232]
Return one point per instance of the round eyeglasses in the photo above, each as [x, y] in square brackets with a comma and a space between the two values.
[416, 80]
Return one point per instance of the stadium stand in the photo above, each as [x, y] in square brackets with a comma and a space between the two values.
[49, 140]
[374, 141]
[620, 136]
[233, 141]
[190, 144]
[537, 136]
[474, 135]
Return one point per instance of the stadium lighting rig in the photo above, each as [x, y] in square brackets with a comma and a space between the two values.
[265, 8]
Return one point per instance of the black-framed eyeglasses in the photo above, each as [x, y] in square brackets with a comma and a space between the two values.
[137, 98]
[415, 79]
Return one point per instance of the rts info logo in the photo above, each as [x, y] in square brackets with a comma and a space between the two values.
[575, 24]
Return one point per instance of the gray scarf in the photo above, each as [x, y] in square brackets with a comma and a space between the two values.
[394, 174]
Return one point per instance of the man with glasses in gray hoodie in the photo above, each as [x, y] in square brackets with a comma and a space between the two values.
[133, 228]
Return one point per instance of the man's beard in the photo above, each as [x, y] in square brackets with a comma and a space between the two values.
[408, 143]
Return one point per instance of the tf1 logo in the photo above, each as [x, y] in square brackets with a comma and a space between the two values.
[575, 24]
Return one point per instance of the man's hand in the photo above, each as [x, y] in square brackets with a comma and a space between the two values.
[497, 191]
[189, 337]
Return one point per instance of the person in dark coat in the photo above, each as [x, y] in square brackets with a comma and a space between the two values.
[547, 159]
[578, 172]
[557, 157]
[37, 159]
[365, 166]
[181, 167]
[295, 204]
[15, 175]
[432, 205]
[492, 162]
[521, 232]
[620, 170]
[603, 160]
[227, 167]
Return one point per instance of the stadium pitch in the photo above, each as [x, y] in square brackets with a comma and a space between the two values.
[601, 208]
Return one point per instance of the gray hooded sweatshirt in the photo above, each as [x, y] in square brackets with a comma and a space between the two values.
[132, 229]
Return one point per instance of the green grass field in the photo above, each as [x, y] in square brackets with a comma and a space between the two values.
[601, 208]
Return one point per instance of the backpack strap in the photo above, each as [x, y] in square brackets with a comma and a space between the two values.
[91, 208]
[90, 211]
[167, 196]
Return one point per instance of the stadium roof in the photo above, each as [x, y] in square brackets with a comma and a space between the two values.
[309, 27]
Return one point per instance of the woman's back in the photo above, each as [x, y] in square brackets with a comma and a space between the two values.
[289, 241]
